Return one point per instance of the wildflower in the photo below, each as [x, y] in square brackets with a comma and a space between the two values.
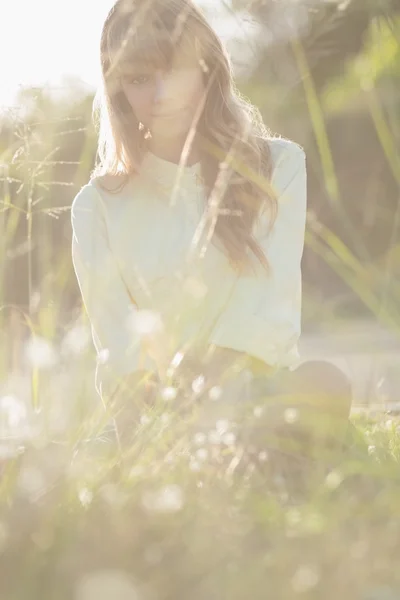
[40, 353]
[222, 426]
[202, 454]
[215, 392]
[229, 438]
[103, 356]
[291, 415]
[146, 322]
[199, 439]
[12, 412]
[176, 361]
[195, 465]
[198, 384]
[168, 499]
[169, 393]
[85, 497]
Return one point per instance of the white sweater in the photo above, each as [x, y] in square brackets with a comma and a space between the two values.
[130, 253]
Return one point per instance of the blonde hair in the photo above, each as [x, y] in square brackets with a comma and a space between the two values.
[233, 140]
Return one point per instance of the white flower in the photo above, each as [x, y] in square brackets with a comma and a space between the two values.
[103, 356]
[202, 454]
[40, 353]
[176, 361]
[215, 392]
[199, 439]
[198, 384]
[195, 465]
[169, 499]
[13, 412]
[291, 415]
[169, 393]
[146, 323]
[222, 426]
[85, 497]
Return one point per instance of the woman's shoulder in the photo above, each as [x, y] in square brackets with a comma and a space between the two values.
[88, 205]
[85, 201]
[284, 149]
[109, 182]
[94, 194]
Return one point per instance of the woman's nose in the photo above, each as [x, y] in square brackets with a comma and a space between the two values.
[160, 87]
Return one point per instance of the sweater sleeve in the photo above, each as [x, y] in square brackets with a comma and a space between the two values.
[107, 302]
[263, 316]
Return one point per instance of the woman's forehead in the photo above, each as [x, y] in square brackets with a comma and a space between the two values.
[154, 51]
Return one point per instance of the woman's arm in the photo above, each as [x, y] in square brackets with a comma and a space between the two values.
[263, 317]
[108, 305]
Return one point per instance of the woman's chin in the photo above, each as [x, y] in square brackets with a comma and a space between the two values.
[170, 129]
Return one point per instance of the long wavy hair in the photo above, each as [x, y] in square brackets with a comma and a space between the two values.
[233, 143]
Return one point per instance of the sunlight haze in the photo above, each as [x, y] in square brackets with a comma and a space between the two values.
[46, 40]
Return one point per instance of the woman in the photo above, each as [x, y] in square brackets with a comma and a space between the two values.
[188, 239]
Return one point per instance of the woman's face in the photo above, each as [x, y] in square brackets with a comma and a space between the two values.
[165, 101]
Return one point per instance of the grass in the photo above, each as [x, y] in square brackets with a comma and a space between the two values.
[183, 511]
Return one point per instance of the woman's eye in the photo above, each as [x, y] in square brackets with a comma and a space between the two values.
[138, 79]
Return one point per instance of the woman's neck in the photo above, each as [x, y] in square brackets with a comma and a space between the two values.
[172, 152]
